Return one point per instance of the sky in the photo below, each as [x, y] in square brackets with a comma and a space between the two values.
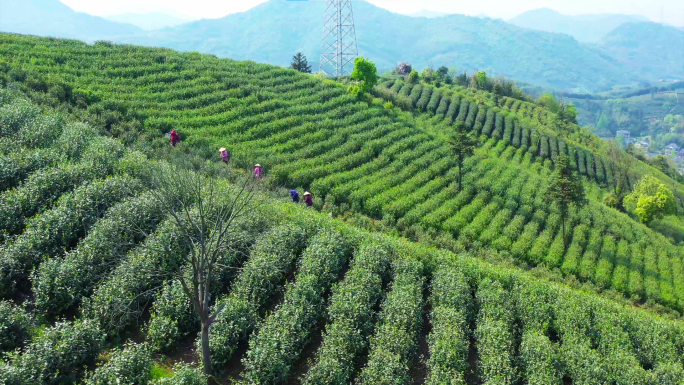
[669, 11]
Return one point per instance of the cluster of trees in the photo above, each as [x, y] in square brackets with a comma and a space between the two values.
[443, 75]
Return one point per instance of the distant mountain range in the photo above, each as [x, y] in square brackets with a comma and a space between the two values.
[53, 18]
[584, 28]
[428, 14]
[652, 50]
[273, 31]
[148, 21]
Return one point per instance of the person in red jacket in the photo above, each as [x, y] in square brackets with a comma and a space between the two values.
[308, 199]
[174, 138]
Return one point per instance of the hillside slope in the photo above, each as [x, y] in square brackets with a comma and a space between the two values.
[584, 28]
[54, 18]
[652, 49]
[391, 167]
[335, 303]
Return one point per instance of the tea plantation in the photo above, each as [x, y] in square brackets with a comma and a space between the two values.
[308, 298]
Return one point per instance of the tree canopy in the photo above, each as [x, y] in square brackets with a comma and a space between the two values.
[300, 63]
[651, 199]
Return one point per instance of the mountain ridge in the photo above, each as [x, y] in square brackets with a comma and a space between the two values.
[589, 28]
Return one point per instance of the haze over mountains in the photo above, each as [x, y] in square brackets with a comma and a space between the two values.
[584, 28]
[273, 31]
[53, 18]
[149, 21]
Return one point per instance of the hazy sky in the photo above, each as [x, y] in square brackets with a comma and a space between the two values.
[672, 11]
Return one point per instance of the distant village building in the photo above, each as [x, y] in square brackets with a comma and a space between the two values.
[626, 136]
[652, 154]
[672, 146]
[643, 144]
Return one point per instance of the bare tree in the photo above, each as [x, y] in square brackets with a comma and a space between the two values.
[207, 213]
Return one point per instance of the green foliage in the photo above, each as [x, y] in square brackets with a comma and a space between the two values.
[413, 77]
[395, 342]
[564, 189]
[15, 325]
[351, 313]
[273, 256]
[130, 365]
[449, 340]
[365, 73]
[650, 199]
[280, 340]
[299, 63]
[56, 355]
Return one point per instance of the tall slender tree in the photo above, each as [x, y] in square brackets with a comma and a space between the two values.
[462, 145]
[564, 189]
[300, 63]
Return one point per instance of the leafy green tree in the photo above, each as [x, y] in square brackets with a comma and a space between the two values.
[427, 74]
[462, 144]
[365, 73]
[442, 72]
[650, 199]
[481, 80]
[413, 77]
[564, 189]
[548, 101]
[300, 63]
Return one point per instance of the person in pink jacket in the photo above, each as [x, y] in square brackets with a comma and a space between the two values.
[258, 172]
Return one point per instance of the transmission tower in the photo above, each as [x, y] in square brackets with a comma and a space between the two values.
[339, 39]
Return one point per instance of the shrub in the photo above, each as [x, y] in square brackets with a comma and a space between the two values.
[280, 340]
[131, 365]
[56, 355]
[395, 342]
[472, 113]
[452, 112]
[45, 186]
[15, 325]
[59, 283]
[449, 339]
[50, 233]
[494, 333]
[463, 111]
[489, 123]
[351, 314]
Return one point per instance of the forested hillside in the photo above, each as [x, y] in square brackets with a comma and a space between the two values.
[82, 142]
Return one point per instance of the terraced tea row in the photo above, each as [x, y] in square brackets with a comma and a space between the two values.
[310, 134]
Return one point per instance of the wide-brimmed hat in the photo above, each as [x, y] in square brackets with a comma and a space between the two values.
[222, 149]
[257, 165]
[307, 193]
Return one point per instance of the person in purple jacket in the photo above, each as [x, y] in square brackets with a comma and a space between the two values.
[258, 172]
[225, 156]
[308, 199]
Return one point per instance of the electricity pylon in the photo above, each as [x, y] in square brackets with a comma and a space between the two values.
[339, 39]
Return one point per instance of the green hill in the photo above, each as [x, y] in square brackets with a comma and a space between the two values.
[74, 196]
[654, 50]
[396, 170]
